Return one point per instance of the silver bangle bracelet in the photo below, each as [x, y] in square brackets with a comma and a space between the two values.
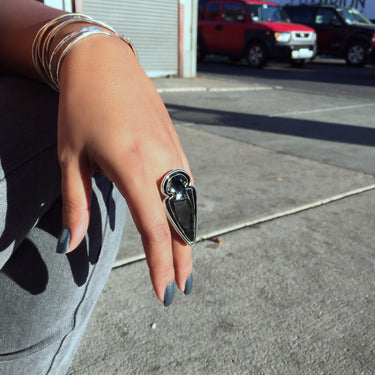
[44, 60]
[67, 39]
[68, 47]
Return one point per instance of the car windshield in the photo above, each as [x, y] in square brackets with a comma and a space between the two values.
[267, 13]
[352, 16]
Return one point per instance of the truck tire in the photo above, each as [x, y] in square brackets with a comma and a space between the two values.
[356, 54]
[256, 55]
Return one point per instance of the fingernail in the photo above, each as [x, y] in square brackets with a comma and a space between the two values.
[189, 284]
[169, 294]
[63, 241]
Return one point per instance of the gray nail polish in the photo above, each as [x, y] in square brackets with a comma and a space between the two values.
[189, 284]
[63, 241]
[169, 294]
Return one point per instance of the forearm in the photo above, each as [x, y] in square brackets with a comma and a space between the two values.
[20, 21]
[110, 119]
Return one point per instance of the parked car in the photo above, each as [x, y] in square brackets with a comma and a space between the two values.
[256, 30]
[341, 32]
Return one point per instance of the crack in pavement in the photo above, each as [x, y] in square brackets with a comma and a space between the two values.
[264, 219]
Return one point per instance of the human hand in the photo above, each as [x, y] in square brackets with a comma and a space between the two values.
[112, 120]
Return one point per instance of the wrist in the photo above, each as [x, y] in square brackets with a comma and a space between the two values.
[96, 59]
[56, 39]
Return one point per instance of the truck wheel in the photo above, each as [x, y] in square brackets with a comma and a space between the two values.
[355, 54]
[256, 55]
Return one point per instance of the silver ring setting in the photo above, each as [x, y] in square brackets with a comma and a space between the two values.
[181, 204]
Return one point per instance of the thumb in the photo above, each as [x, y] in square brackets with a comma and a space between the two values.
[76, 196]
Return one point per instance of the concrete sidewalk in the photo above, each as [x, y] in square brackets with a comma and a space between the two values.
[290, 290]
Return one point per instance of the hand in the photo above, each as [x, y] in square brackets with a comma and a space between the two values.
[112, 120]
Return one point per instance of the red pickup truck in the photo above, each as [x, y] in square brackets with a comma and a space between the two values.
[256, 30]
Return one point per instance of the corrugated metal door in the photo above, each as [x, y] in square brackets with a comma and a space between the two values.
[152, 26]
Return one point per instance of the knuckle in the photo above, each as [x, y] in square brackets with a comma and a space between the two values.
[66, 158]
[132, 151]
[73, 208]
[157, 234]
[161, 272]
[157, 145]
[168, 147]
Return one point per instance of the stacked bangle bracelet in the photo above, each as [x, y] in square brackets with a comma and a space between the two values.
[47, 62]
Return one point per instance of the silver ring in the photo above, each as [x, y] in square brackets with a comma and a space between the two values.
[181, 204]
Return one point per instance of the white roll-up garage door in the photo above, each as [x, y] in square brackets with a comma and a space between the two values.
[152, 26]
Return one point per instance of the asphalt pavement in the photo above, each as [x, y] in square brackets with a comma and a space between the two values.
[284, 267]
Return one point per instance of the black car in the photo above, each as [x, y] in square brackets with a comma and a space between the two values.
[341, 32]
